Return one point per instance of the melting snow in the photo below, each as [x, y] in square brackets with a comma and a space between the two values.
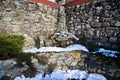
[109, 53]
[65, 75]
[58, 49]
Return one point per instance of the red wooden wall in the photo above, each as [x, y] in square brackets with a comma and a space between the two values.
[69, 3]
[46, 2]
[77, 2]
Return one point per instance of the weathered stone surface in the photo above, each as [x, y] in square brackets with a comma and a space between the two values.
[76, 55]
[8, 64]
[106, 24]
[7, 19]
[74, 63]
[117, 24]
[68, 61]
[25, 18]
[98, 15]
[29, 42]
[52, 60]
[113, 39]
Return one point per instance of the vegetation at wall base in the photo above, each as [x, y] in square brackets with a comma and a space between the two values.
[10, 45]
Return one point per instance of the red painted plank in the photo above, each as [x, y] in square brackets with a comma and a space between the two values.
[69, 4]
[77, 2]
[67, 1]
[46, 2]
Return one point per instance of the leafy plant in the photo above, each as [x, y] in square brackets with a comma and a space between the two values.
[10, 45]
[26, 58]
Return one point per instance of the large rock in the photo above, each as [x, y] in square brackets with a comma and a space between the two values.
[7, 19]
[7, 64]
[68, 61]
[117, 24]
[106, 24]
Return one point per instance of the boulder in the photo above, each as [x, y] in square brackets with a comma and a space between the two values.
[117, 24]
[106, 24]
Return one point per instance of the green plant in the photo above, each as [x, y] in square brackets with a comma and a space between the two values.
[24, 57]
[10, 45]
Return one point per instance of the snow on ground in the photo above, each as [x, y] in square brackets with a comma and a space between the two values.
[58, 49]
[109, 53]
[65, 75]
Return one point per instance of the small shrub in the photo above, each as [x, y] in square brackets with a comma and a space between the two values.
[10, 45]
[24, 57]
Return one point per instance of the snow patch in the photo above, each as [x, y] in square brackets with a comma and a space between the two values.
[65, 75]
[58, 49]
[109, 53]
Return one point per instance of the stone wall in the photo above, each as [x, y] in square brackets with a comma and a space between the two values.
[98, 20]
[28, 19]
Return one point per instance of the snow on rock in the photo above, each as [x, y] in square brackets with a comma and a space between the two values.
[65, 75]
[58, 49]
[109, 53]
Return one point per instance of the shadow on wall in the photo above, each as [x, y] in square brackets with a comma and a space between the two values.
[37, 42]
